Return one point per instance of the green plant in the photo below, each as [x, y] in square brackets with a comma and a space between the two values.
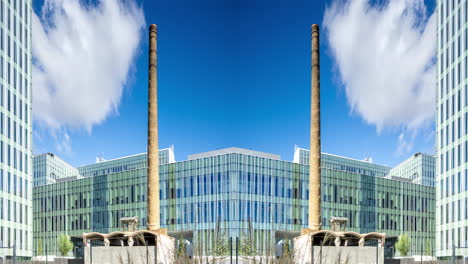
[182, 248]
[286, 249]
[181, 251]
[221, 246]
[403, 245]
[39, 247]
[428, 248]
[64, 244]
[220, 242]
[247, 241]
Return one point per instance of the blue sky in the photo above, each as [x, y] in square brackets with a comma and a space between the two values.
[232, 73]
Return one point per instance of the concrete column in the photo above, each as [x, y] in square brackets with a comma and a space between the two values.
[153, 220]
[315, 149]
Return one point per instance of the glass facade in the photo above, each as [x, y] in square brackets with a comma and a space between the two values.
[419, 168]
[452, 127]
[335, 162]
[133, 162]
[234, 189]
[15, 127]
[48, 168]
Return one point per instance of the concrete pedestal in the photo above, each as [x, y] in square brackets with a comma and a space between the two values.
[334, 255]
[163, 253]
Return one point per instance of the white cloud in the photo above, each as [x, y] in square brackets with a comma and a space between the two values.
[62, 142]
[82, 56]
[385, 58]
[406, 142]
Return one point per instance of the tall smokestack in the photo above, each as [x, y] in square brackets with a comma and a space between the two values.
[153, 220]
[315, 149]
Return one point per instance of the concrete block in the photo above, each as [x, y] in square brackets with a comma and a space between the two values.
[333, 255]
[163, 253]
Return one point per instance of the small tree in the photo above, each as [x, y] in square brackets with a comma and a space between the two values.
[64, 244]
[286, 249]
[39, 247]
[182, 248]
[403, 245]
[428, 247]
[247, 241]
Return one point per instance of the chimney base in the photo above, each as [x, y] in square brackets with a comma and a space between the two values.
[312, 229]
[159, 231]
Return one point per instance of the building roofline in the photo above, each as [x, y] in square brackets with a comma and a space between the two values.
[334, 155]
[124, 157]
[234, 150]
[343, 157]
[55, 156]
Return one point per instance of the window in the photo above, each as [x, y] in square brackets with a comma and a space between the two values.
[441, 88]
[452, 127]
[466, 189]
[466, 124]
[466, 151]
[453, 29]
[453, 104]
[441, 163]
[452, 74]
[459, 24]
[459, 182]
[447, 160]
[452, 190]
[446, 109]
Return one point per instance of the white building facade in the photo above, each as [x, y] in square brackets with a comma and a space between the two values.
[452, 127]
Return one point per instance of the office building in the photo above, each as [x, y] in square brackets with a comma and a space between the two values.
[234, 191]
[452, 128]
[419, 168]
[335, 162]
[15, 128]
[49, 168]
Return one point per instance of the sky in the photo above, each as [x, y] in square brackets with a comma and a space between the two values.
[233, 73]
